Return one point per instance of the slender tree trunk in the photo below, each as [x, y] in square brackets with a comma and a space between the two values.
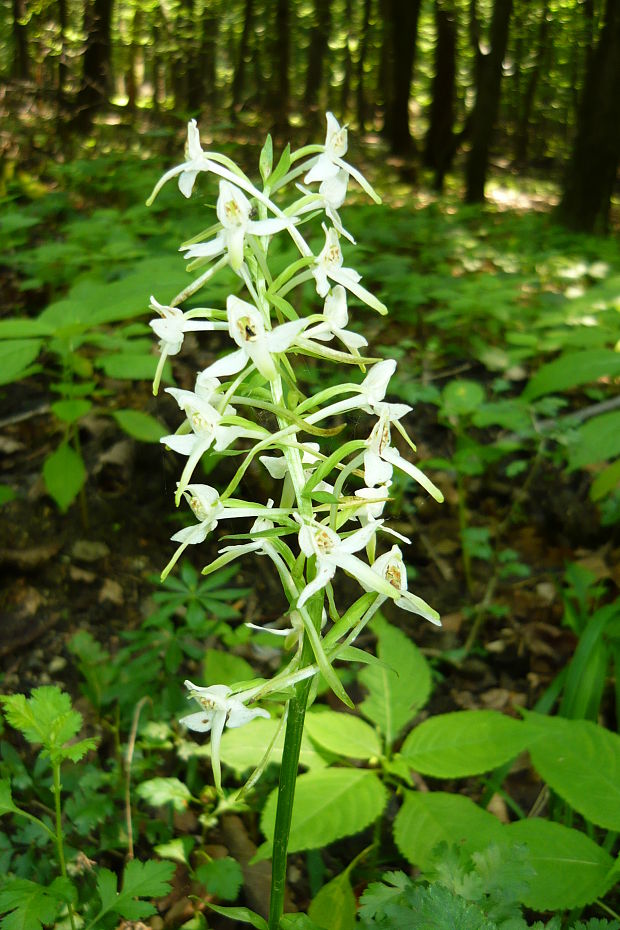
[385, 73]
[62, 57]
[523, 124]
[404, 16]
[208, 56]
[345, 87]
[93, 92]
[316, 51]
[593, 165]
[282, 57]
[238, 83]
[484, 114]
[439, 143]
[21, 58]
[360, 99]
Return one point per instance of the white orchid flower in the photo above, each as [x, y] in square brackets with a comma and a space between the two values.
[256, 344]
[328, 267]
[391, 567]
[234, 211]
[332, 552]
[207, 431]
[277, 465]
[330, 161]
[219, 708]
[336, 317]
[331, 195]
[380, 456]
[367, 395]
[170, 327]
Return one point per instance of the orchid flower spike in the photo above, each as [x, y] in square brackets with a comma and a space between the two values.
[332, 552]
[170, 327]
[219, 708]
[328, 265]
[392, 568]
[380, 456]
[335, 319]
[330, 160]
[256, 344]
[234, 211]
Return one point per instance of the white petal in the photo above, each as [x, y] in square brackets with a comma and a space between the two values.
[193, 535]
[417, 606]
[395, 458]
[267, 227]
[322, 170]
[184, 445]
[239, 714]
[228, 365]
[187, 179]
[376, 471]
[200, 721]
[325, 573]
[283, 336]
[209, 249]
[235, 240]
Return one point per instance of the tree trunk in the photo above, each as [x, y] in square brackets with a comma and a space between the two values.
[93, 92]
[345, 87]
[404, 16]
[385, 73]
[282, 55]
[484, 114]
[316, 51]
[21, 59]
[208, 91]
[593, 164]
[439, 144]
[525, 114]
[360, 100]
[62, 57]
[238, 83]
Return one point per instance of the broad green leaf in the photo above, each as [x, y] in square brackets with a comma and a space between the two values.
[572, 369]
[242, 914]
[463, 743]
[6, 494]
[138, 367]
[158, 791]
[140, 879]
[71, 410]
[580, 761]
[302, 922]
[462, 397]
[342, 734]
[334, 905]
[31, 905]
[64, 474]
[606, 482]
[15, 357]
[243, 748]
[140, 425]
[427, 819]
[328, 805]
[225, 668]
[571, 870]
[598, 440]
[23, 328]
[397, 692]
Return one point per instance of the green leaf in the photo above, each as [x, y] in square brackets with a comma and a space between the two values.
[140, 425]
[225, 668]
[177, 849]
[606, 482]
[158, 791]
[571, 870]
[18, 328]
[580, 761]
[397, 692]
[427, 819]
[46, 717]
[31, 905]
[463, 743]
[598, 440]
[70, 410]
[265, 161]
[243, 914]
[334, 905]
[242, 749]
[15, 357]
[572, 369]
[221, 877]
[64, 474]
[6, 494]
[282, 167]
[302, 922]
[140, 879]
[136, 366]
[462, 397]
[342, 734]
[6, 798]
[328, 805]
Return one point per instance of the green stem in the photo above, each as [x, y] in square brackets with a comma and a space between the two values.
[286, 794]
[59, 838]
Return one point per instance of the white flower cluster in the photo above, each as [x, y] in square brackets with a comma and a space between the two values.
[332, 493]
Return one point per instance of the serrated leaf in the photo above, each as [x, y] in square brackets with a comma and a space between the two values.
[140, 880]
[328, 805]
[221, 877]
[571, 870]
[140, 425]
[64, 474]
[342, 734]
[29, 905]
[398, 690]
[178, 849]
[6, 798]
[15, 357]
[45, 717]
[158, 791]
[571, 370]
[334, 905]
[580, 761]
[464, 743]
[427, 819]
